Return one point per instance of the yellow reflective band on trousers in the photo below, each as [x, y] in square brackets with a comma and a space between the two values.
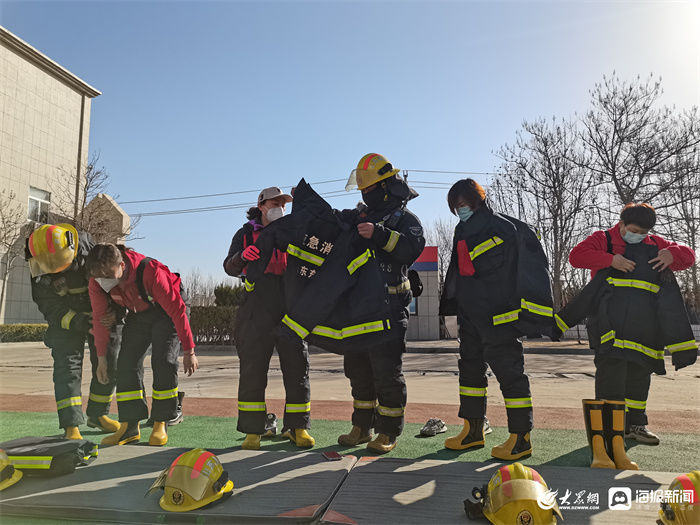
[69, 402]
[560, 323]
[296, 327]
[518, 402]
[252, 406]
[297, 407]
[485, 246]
[31, 462]
[633, 403]
[350, 331]
[249, 287]
[129, 396]
[634, 283]
[390, 412]
[685, 345]
[607, 336]
[368, 405]
[101, 399]
[66, 319]
[399, 288]
[623, 343]
[391, 243]
[160, 395]
[304, 255]
[359, 261]
[472, 391]
[535, 308]
[507, 317]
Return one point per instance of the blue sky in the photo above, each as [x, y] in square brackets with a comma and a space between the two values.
[209, 97]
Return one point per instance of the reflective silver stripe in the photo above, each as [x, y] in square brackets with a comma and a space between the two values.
[633, 403]
[685, 345]
[536, 308]
[165, 394]
[391, 243]
[399, 288]
[129, 396]
[507, 317]
[484, 247]
[359, 261]
[249, 287]
[76, 291]
[608, 336]
[66, 319]
[69, 402]
[297, 407]
[356, 403]
[623, 343]
[390, 412]
[31, 462]
[560, 323]
[349, 331]
[296, 327]
[252, 406]
[101, 399]
[518, 402]
[472, 391]
[304, 255]
[634, 283]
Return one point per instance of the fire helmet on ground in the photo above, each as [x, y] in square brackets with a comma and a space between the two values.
[9, 475]
[683, 507]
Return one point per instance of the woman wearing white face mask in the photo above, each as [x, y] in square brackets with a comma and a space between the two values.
[256, 321]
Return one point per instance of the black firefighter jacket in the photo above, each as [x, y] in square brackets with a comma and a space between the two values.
[637, 314]
[334, 292]
[498, 278]
[63, 297]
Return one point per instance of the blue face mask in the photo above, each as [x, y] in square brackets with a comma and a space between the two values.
[633, 238]
[464, 213]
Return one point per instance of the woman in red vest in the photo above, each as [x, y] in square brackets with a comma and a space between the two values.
[256, 323]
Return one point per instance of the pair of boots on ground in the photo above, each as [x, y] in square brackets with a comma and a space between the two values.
[605, 429]
[383, 443]
[517, 445]
[299, 436]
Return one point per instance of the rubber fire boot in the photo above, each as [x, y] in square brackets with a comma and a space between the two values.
[104, 423]
[72, 433]
[614, 421]
[593, 418]
[159, 434]
[515, 447]
[355, 437]
[128, 432]
[471, 436]
[251, 442]
[382, 443]
[300, 437]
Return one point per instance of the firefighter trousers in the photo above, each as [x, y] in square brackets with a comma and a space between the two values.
[154, 328]
[618, 379]
[378, 386]
[67, 350]
[255, 346]
[504, 355]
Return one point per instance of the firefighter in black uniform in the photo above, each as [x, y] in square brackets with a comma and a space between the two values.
[56, 255]
[376, 378]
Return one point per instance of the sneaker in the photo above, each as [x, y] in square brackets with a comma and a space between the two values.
[270, 425]
[487, 426]
[641, 434]
[433, 427]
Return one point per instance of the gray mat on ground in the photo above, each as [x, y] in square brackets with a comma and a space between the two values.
[387, 490]
[268, 486]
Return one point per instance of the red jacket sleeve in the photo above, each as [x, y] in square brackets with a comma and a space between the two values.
[159, 280]
[592, 253]
[98, 301]
[683, 256]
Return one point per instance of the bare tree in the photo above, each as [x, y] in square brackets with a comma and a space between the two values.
[12, 223]
[440, 233]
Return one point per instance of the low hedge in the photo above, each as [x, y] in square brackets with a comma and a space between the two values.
[18, 333]
[213, 325]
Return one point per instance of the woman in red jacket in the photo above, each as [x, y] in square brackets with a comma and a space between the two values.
[157, 317]
[604, 249]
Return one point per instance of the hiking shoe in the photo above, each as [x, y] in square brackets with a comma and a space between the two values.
[270, 425]
[487, 426]
[433, 427]
[641, 434]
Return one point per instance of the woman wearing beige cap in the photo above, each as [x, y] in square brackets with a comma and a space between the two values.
[256, 321]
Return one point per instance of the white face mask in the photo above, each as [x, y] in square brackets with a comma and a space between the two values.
[274, 213]
[107, 283]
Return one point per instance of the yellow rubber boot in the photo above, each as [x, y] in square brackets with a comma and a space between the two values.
[471, 436]
[593, 417]
[108, 424]
[355, 437]
[515, 447]
[382, 444]
[72, 433]
[127, 433]
[616, 435]
[159, 434]
[300, 437]
[251, 442]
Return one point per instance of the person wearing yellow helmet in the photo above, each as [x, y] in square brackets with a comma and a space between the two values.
[56, 254]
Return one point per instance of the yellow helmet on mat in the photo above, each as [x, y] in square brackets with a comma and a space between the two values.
[684, 507]
[195, 479]
[52, 248]
[516, 495]
[372, 168]
[9, 475]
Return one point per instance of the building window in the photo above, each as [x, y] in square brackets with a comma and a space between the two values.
[413, 307]
[38, 207]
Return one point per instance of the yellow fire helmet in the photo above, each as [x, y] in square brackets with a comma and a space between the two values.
[684, 505]
[516, 495]
[9, 475]
[372, 168]
[195, 479]
[52, 248]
